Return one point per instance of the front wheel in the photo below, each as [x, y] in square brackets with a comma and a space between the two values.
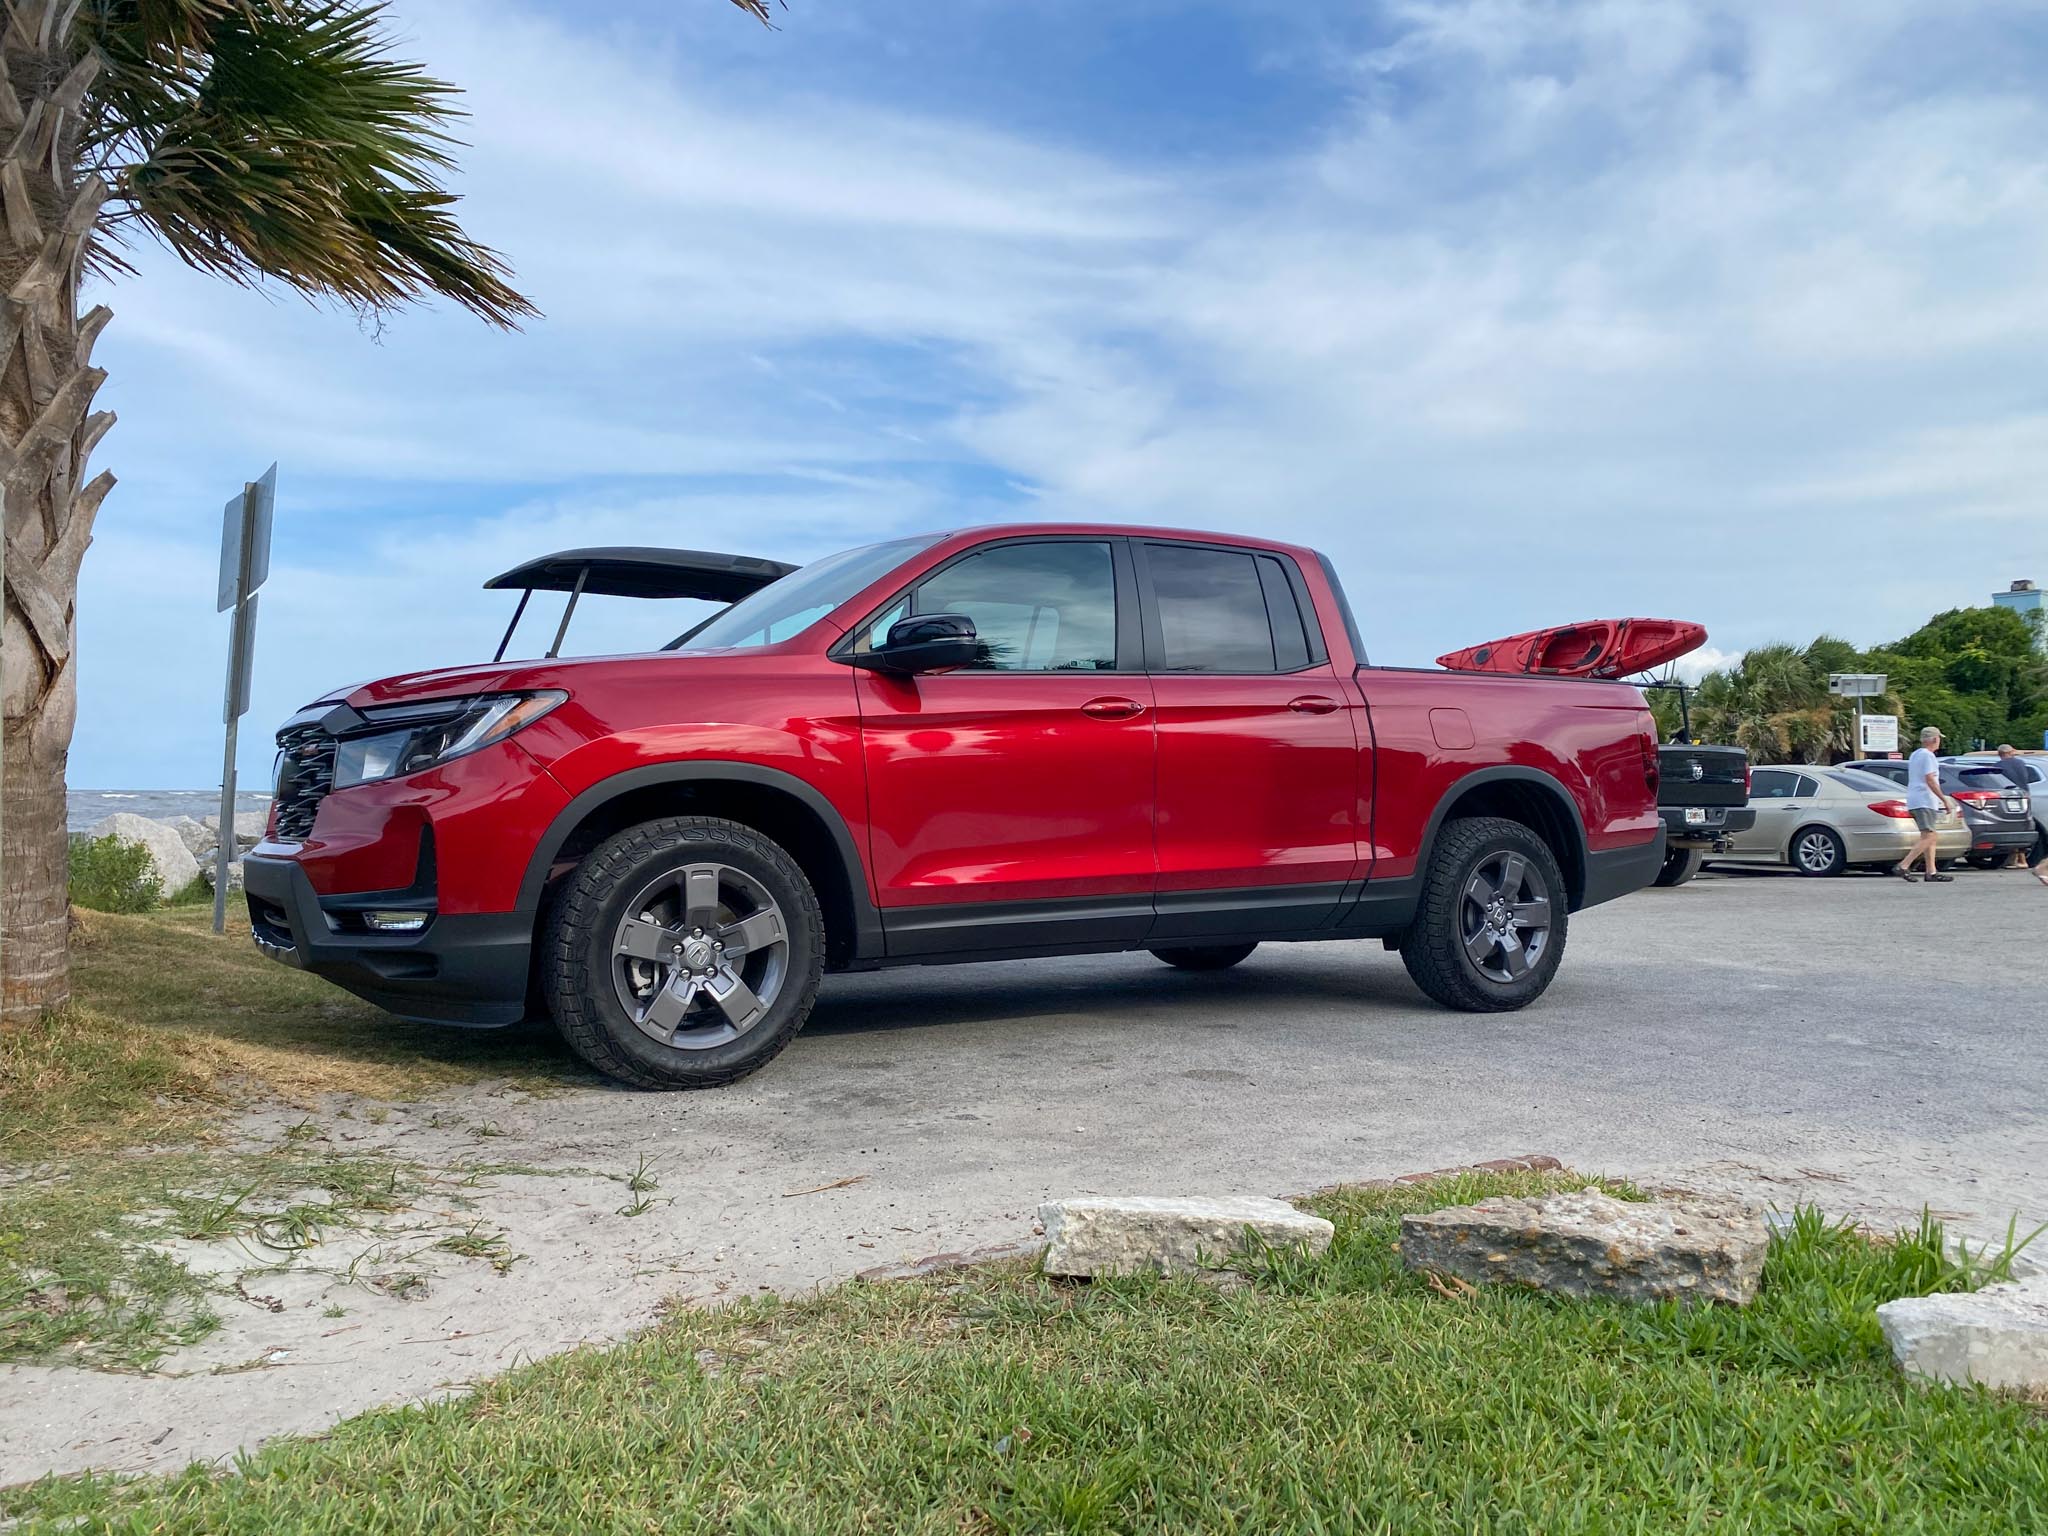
[683, 953]
[1205, 957]
[1490, 928]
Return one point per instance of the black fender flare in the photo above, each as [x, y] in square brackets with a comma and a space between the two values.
[1511, 773]
[867, 921]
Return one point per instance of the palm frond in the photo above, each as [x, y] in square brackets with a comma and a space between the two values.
[279, 139]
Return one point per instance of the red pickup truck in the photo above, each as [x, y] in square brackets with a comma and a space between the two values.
[982, 745]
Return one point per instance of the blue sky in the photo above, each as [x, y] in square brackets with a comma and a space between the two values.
[1524, 311]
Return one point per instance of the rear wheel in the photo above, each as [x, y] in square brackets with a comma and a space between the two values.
[683, 953]
[1817, 851]
[1205, 957]
[1490, 929]
[1680, 865]
[1984, 860]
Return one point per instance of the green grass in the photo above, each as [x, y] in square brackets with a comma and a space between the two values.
[170, 1020]
[80, 1283]
[1339, 1395]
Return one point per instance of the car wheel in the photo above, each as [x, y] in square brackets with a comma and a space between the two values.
[1205, 957]
[1984, 860]
[2040, 849]
[1817, 851]
[683, 953]
[1490, 928]
[1680, 865]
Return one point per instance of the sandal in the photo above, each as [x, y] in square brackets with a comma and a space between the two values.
[1941, 879]
[1907, 875]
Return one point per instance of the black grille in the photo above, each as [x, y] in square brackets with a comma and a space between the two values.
[305, 773]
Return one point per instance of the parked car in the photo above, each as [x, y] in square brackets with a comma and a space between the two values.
[1822, 821]
[2036, 766]
[2000, 815]
[1702, 796]
[982, 745]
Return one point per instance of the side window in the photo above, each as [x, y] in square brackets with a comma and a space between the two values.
[1771, 784]
[1212, 612]
[1047, 607]
[1290, 634]
[1808, 787]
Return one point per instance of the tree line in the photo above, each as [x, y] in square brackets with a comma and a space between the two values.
[1980, 674]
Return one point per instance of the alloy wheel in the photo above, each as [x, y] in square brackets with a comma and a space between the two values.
[1815, 852]
[1505, 917]
[700, 956]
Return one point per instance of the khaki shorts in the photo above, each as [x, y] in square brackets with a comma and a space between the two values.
[1926, 817]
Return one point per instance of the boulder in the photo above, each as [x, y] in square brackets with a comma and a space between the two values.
[172, 860]
[1586, 1243]
[234, 874]
[197, 835]
[1134, 1235]
[1997, 1337]
[249, 827]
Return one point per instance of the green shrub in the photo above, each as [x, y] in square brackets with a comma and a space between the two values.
[197, 892]
[109, 875]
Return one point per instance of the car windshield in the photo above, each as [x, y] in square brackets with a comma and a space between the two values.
[1863, 783]
[790, 606]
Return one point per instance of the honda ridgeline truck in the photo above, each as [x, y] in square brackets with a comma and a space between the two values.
[982, 745]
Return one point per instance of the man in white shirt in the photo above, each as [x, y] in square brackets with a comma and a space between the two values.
[1926, 800]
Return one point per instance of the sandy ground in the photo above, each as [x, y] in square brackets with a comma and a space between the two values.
[1860, 1043]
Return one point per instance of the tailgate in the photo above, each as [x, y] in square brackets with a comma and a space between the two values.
[1703, 776]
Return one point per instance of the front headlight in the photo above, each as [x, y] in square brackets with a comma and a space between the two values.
[421, 735]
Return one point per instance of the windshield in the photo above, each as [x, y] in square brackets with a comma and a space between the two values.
[790, 606]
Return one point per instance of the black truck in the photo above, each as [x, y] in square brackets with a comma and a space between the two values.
[1703, 796]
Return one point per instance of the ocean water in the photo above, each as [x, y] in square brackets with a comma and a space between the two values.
[88, 806]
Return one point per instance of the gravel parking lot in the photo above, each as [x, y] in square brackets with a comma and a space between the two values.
[1859, 1042]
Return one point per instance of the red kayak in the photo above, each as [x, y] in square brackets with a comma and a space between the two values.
[1596, 648]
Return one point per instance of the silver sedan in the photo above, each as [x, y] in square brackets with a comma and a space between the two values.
[1822, 821]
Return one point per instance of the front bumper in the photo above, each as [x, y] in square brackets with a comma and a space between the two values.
[461, 968]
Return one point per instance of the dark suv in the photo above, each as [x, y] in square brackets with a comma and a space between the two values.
[1999, 813]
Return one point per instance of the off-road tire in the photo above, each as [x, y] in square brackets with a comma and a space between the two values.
[1680, 865]
[1433, 948]
[1205, 957]
[577, 954]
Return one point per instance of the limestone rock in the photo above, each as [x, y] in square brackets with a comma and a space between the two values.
[1586, 1243]
[168, 856]
[197, 835]
[249, 827]
[1997, 1336]
[1132, 1235]
[234, 874]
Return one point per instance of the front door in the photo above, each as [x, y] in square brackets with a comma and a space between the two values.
[1010, 803]
[1259, 763]
[1780, 797]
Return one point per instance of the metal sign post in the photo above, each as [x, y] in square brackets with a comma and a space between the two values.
[244, 566]
[1858, 686]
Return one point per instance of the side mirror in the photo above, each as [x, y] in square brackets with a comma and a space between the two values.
[927, 642]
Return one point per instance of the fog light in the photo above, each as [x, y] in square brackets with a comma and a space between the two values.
[394, 922]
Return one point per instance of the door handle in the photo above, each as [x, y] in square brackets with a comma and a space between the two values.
[1112, 709]
[1313, 704]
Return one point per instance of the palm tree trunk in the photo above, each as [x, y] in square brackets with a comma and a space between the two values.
[48, 429]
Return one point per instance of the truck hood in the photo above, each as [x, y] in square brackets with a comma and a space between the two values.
[504, 677]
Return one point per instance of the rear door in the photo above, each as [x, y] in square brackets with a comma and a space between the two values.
[1258, 747]
[1015, 795]
[1772, 794]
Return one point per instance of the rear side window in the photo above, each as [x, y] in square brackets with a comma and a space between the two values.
[1221, 610]
[1807, 787]
[1772, 784]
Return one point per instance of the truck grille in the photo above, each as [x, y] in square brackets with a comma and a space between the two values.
[305, 773]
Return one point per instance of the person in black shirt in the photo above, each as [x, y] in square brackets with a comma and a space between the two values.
[2014, 767]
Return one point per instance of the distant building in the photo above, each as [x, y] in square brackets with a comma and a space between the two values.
[2022, 597]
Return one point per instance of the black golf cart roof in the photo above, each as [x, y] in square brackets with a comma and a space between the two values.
[633, 572]
[642, 572]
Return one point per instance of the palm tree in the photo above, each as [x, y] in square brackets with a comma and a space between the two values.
[258, 139]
